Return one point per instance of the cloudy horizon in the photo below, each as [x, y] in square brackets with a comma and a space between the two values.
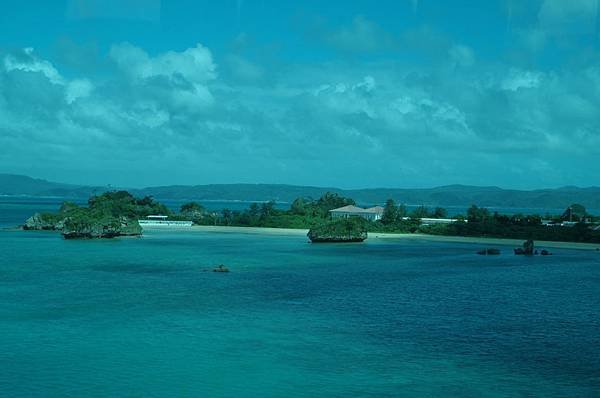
[409, 94]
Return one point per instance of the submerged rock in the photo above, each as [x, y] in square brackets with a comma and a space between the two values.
[489, 252]
[221, 268]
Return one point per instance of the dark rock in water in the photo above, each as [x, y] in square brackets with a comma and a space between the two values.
[342, 230]
[545, 252]
[221, 268]
[528, 247]
[527, 250]
[489, 252]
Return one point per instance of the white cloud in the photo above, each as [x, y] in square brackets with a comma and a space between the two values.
[28, 62]
[78, 88]
[517, 79]
[176, 79]
[172, 107]
[193, 64]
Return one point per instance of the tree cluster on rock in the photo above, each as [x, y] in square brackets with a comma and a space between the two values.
[107, 215]
[352, 229]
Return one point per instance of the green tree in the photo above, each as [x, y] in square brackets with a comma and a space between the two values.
[191, 207]
[331, 201]
[439, 212]
[390, 212]
[402, 212]
[477, 214]
[267, 209]
[227, 216]
[420, 212]
[254, 210]
[299, 206]
[145, 201]
[68, 207]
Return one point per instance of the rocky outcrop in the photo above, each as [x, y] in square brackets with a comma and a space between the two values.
[527, 250]
[343, 230]
[102, 228]
[45, 222]
[107, 215]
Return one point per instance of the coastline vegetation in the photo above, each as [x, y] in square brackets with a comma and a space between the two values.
[575, 225]
[116, 213]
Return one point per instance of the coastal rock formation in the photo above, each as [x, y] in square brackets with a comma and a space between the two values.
[108, 215]
[109, 227]
[343, 230]
[527, 250]
[46, 222]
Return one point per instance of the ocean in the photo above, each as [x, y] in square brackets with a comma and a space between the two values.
[145, 317]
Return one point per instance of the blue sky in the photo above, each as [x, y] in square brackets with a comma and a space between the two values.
[404, 93]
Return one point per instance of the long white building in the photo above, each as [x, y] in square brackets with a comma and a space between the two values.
[162, 221]
[372, 213]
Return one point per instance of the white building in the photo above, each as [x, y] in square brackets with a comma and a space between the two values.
[162, 221]
[372, 213]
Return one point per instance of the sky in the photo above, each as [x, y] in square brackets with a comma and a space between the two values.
[351, 94]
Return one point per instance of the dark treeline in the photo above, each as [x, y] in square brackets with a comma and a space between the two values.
[478, 222]
[304, 213]
[111, 210]
[574, 225]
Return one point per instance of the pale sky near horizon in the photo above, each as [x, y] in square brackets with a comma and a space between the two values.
[402, 93]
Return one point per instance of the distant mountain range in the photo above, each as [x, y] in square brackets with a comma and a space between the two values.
[451, 195]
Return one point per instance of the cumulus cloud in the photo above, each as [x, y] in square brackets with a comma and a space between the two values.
[172, 110]
[516, 79]
[176, 79]
[27, 61]
[193, 64]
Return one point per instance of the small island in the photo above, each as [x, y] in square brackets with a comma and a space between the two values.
[351, 229]
[108, 215]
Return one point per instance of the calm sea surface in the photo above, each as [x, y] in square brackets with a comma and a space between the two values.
[140, 317]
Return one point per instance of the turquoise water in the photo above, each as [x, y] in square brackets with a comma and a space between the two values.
[140, 317]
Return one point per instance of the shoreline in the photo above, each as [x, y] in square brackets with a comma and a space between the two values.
[488, 241]
[383, 236]
[399, 236]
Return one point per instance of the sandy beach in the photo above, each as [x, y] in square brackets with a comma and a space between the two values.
[395, 236]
